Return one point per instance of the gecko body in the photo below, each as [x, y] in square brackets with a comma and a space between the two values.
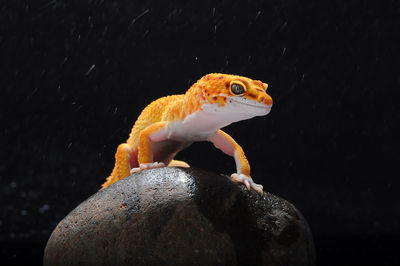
[172, 123]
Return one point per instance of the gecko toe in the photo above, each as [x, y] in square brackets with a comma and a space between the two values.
[147, 166]
[248, 182]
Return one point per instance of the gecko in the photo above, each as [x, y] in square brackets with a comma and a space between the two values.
[170, 124]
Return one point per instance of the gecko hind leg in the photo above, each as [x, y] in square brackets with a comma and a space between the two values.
[122, 164]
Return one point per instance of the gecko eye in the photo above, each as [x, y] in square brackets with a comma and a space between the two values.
[237, 89]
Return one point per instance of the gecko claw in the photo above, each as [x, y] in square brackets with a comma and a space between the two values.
[248, 182]
[146, 166]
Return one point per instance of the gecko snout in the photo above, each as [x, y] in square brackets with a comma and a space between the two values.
[265, 99]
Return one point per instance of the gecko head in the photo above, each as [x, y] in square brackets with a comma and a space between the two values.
[235, 95]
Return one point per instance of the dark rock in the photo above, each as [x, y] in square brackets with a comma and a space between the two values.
[175, 216]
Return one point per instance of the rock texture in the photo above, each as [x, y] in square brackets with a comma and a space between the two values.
[174, 216]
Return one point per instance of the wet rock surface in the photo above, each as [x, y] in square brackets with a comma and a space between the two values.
[175, 216]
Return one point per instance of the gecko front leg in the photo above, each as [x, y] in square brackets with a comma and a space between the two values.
[154, 133]
[228, 145]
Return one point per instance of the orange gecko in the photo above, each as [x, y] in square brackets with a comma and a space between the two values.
[172, 123]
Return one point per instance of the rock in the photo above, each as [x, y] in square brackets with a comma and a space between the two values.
[177, 216]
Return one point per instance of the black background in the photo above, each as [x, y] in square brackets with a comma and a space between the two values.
[74, 75]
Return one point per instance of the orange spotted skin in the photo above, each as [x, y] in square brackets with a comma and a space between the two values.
[213, 89]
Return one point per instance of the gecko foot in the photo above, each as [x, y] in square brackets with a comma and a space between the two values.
[146, 166]
[247, 181]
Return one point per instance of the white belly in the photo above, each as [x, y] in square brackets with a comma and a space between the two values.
[198, 126]
[201, 125]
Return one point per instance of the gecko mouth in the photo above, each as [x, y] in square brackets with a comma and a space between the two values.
[253, 105]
